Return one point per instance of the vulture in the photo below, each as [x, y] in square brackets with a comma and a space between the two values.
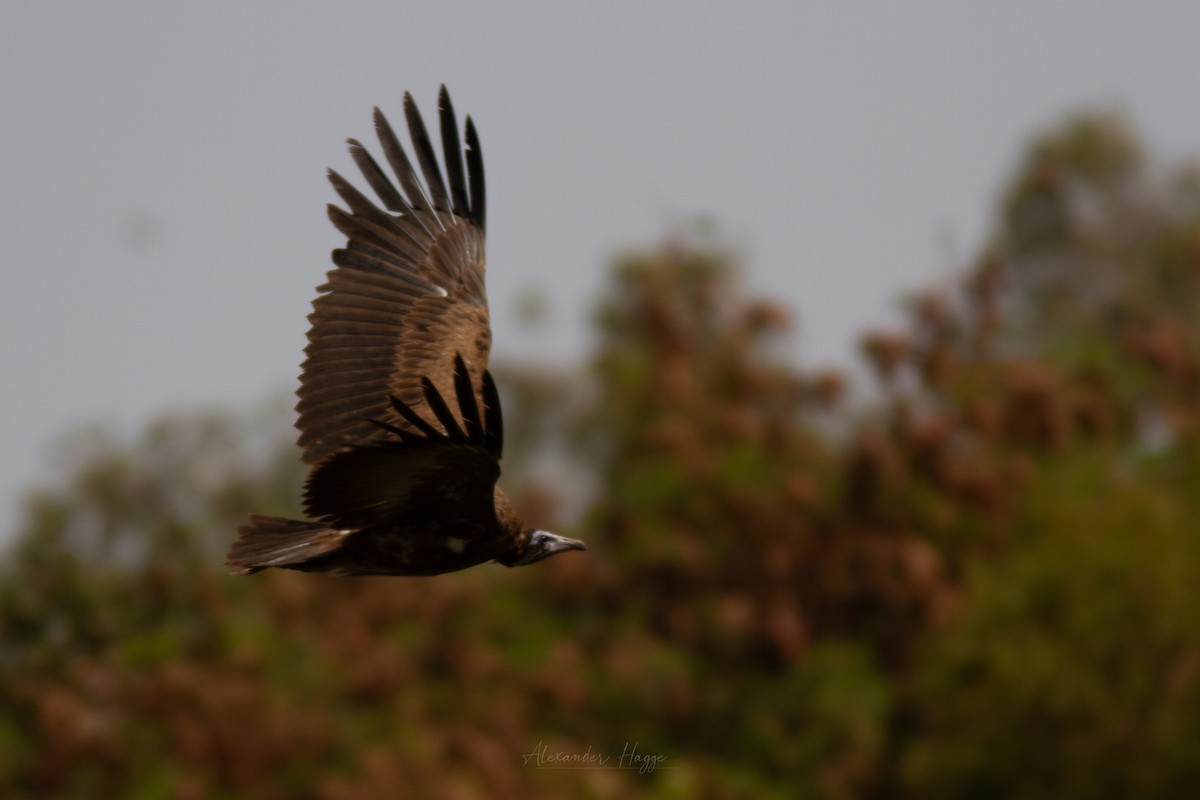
[398, 415]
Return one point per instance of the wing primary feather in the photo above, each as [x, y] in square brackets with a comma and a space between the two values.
[493, 420]
[356, 200]
[353, 228]
[358, 228]
[442, 411]
[466, 400]
[397, 159]
[475, 176]
[373, 215]
[425, 154]
[452, 155]
[362, 206]
[383, 188]
[415, 419]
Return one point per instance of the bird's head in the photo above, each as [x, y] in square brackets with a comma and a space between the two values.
[543, 544]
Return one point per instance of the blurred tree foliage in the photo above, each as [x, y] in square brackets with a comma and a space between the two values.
[982, 585]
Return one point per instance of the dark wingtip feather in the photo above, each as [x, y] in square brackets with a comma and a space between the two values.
[380, 184]
[466, 399]
[408, 437]
[474, 154]
[357, 228]
[415, 419]
[425, 154]
[452, 155]
[493, 419]
[357, 201]
[397, 159]
[433, 398]
[341, 220]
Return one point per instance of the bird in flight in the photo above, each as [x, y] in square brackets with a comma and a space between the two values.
[398, 414]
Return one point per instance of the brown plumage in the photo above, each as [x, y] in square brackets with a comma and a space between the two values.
[403, 481]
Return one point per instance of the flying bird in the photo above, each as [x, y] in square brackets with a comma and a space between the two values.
[398, 414]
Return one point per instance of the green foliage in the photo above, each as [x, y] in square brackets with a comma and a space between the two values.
[981, 585]
[1074, 667]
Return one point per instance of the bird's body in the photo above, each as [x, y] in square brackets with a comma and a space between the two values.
[426, 547]
[403, 480]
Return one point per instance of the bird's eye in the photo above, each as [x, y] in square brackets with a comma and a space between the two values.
[542, 538]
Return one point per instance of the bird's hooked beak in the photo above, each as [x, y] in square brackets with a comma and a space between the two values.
[556, 544]
[543, 544]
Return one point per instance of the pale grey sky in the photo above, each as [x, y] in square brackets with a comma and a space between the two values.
[163, 164]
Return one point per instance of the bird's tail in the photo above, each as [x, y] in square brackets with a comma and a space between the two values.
[278, 542]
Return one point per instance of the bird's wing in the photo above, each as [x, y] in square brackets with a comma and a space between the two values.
[407, 293]
[440, 469]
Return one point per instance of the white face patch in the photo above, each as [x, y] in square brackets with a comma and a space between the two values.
[455, 545]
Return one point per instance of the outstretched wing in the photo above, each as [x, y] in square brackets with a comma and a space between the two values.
[425, 471]
[407, 293]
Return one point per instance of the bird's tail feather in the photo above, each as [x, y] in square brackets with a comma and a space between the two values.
[278, 542]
